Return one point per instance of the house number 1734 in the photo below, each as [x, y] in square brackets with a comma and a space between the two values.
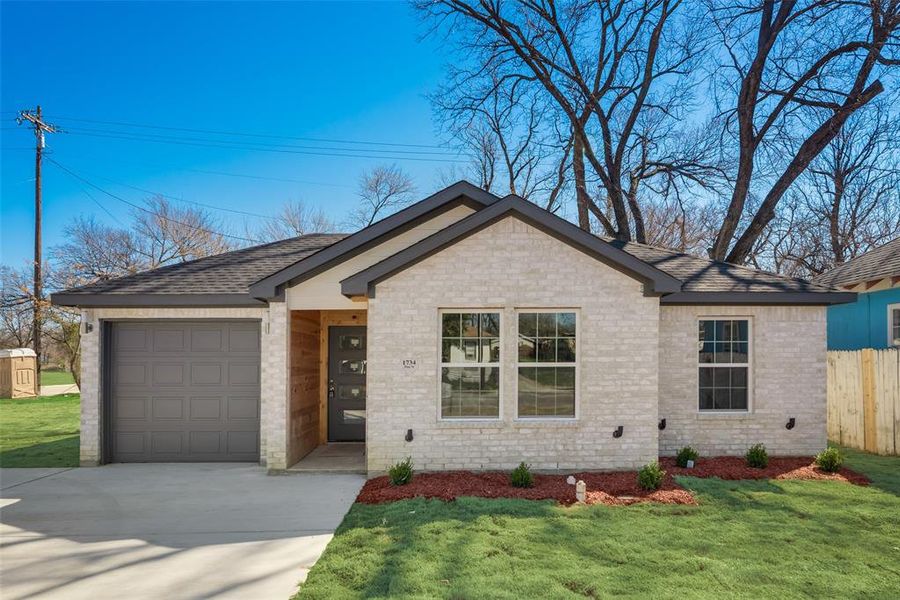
[409, 363]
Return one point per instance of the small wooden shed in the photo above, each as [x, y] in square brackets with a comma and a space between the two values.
[17, 373]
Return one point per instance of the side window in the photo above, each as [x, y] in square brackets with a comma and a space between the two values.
[470, 365]
[724, 360]
[546, 365]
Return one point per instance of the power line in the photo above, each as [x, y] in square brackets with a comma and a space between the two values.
[259, 135]
[148, 211]
[176, 198]
[264, 178]
[233, 146]
[158, 136]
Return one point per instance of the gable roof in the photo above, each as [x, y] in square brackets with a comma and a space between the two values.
[363, 282]
[219, 280]
[461, 192]
[881, 262]
[253, 276]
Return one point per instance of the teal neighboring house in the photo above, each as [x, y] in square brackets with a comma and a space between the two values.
[873, 321]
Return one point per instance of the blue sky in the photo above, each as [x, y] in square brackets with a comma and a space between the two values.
[331, 70]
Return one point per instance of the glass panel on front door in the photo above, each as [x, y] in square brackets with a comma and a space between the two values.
[346, 384]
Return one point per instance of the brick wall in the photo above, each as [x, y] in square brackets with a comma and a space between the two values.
[512, 265]
[787, 373]
[273, 372]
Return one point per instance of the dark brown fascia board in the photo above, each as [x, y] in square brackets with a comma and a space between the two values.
[153, 300]
[363, 282]
[759, 298]
[461, 192]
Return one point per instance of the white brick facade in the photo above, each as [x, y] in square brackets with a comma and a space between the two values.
[788, 380]
[506, 266]
[273, 375]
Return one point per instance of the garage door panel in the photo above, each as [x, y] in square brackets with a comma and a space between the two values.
[132, 338]
[206, 374]
[168, 374]
[130, 374]
[243, 340]
[209, 408]
[179, 393]
[168, 409]
[169, 340]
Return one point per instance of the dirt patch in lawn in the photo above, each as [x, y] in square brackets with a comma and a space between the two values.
[618, 488]
[780, 467]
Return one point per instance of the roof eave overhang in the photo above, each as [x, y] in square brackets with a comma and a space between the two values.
[759, 298]
[459, 193]
[154, 300]
[364, 282]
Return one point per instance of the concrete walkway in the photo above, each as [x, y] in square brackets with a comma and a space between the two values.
[56, 390]
[164, 531]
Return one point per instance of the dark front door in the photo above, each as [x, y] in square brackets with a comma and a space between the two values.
[346, 384]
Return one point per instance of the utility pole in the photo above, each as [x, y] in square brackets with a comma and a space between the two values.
[40, 128]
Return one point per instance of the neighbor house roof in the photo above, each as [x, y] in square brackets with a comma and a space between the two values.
[254, 275]
[883, 261]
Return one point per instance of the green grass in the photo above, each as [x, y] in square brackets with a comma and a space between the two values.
[56, 377]
[40, 432]
[752, 539]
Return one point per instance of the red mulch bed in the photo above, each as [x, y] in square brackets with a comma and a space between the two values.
[614, 488]
[780, 467]
[618, 488]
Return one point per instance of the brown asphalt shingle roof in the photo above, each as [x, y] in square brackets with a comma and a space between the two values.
[883, 261]
[233, 272]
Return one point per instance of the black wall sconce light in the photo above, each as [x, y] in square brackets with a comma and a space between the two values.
[662, 424]
[618, 432]
[88, 327]
[409, 435]
[791, 422]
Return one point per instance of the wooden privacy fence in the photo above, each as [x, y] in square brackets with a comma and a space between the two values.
[864, 399]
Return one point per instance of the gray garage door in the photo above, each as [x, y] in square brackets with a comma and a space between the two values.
[183, 391]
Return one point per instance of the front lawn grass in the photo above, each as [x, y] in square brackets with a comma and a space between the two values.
[747, 539]
[56, 377]
[40, 432]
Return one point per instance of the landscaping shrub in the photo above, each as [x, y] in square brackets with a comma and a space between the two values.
[757, 456]
[401, 473]
[521, 476]
[830, 460]
[650, 476]
[684, 455]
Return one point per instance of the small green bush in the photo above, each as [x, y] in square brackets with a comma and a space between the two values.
[521, 476]
[684, 455]
[401, 473]
[830, 460]
[650, 476]
[757, 457]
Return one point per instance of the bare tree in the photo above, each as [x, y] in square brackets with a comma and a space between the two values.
[510, 133]
[159, 235]
[847, 202]
[294, 219]
[600, 64]
[382, 191]
[16, 308]
[795, 72]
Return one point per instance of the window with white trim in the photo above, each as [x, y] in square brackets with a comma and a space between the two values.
[724, 362]
[470, 365]
[546, 365]
[894, 325]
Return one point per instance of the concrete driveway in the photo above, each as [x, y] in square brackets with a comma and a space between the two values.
[164, 531]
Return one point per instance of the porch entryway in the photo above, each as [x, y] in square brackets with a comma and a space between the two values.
[340, 457]
[327, 429]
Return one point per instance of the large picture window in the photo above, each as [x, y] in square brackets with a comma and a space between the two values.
[546, 364]
[724, 357]
[470, 365]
